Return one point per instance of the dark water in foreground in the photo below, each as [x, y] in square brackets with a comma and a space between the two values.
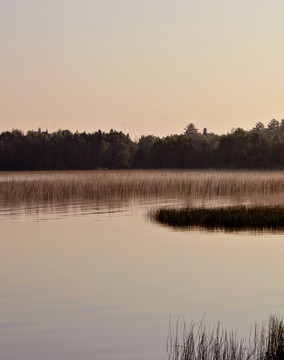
[99, 281]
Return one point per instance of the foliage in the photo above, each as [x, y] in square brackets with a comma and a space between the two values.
[259, 148]
[190, 129]
[64, 150]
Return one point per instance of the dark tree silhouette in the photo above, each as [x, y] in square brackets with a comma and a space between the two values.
[273, 125]
[259, 126]
[190, 129]
[40, 150]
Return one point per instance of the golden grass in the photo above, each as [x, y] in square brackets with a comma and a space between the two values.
[133, 183]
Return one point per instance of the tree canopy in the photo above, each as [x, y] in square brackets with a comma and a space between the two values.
[261, 147]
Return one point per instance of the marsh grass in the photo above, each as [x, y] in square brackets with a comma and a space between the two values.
[231, 217]
[133, 184]
[266, 342]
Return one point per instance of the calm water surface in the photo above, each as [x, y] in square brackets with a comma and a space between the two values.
[83, 280]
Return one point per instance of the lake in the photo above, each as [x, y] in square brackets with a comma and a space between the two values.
[98, 280]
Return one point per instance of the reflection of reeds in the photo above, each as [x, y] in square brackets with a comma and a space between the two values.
[231, 217]
[108, 184]
[266, 343]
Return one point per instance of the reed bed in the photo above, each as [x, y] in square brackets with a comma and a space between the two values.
[265, 343]
[133, 184]
[230, 217]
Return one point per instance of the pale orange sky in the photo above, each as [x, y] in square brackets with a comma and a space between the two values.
[143, 67]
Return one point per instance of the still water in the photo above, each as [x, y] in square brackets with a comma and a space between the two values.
[87, 280]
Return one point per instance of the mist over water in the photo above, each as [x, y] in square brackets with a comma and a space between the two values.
[99, 280]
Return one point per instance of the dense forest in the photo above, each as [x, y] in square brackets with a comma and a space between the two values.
[259, 148]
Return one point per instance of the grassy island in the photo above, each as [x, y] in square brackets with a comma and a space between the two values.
[233, 217]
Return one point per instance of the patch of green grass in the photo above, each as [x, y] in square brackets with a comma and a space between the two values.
[234, 217]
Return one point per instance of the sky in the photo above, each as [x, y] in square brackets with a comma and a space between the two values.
[140, 66]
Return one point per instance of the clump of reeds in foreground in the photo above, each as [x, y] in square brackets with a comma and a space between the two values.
[231, 217]
[266, 342]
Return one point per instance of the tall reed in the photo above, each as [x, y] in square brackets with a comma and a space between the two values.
[127, 184]
[265, 343]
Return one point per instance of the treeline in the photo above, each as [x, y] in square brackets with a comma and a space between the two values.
[262, 147]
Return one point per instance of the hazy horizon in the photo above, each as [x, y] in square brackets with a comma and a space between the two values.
[141, 67]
